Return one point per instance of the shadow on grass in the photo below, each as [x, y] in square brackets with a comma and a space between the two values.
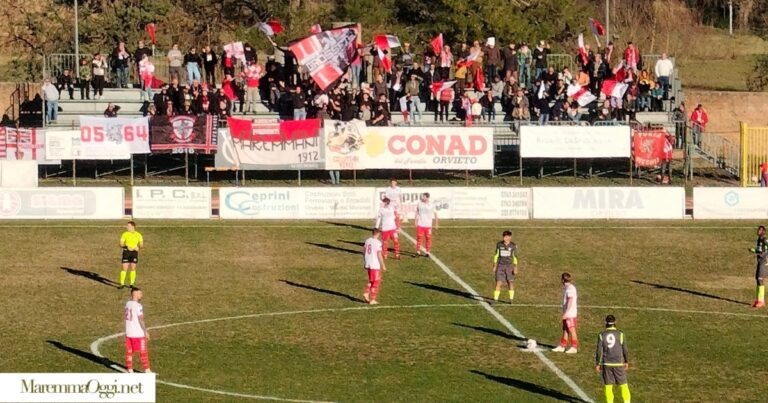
[389, 249]
[528, 387]
[91, 276]
[692, 292]
[106, 362]
[336, 248]
[343, 224]
[322, 291]
[500, 333]
[445, 290]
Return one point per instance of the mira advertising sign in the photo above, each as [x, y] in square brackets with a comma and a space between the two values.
[609, 202]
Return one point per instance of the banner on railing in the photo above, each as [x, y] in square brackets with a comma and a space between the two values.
[467, 202]
[730, 203]
[352, 145]
[171, 202]
[575, 141]
[67, 145]
[62, 203]
[296, 203]
[268, 144]
[184, 134]
[649, 147]
[115, 132]
[25, 144]
[609, 202]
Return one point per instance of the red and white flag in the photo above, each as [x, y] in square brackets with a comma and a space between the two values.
[386, 61]
[271, 27]
[597, 28]
[439, 86]
[580, 94]
[328, 54]
[386, 41]
[437, 44]
[151, 32]
[613, 88]
[582, 50]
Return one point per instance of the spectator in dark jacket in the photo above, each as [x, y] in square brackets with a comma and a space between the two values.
[492, 60]
[161, 99]
[540, 58]
[381, 116]
[176, 95]
[510, 61]
[299, 104]
[209, 61]
[138, 54]
[65, 82]
[120, 60]
[111, 111]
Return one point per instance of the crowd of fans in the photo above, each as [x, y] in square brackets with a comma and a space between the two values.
[491, 83]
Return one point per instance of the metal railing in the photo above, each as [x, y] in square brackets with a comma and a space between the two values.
[724, 153]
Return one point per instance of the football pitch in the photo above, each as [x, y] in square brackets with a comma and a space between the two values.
[239, 311]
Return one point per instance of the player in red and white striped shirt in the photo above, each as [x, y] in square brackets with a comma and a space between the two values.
[386, 221]
[425, 213]
[374, 263]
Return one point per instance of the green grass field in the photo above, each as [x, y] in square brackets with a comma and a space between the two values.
[680, 290]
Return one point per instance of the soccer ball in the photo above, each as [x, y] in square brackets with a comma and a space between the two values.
[531, 344]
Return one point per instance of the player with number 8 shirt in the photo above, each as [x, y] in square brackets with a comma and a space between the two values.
[373, 262]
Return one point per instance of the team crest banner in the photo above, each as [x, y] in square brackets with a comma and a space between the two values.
[184, 134]
[353, 145]
[268, 144]
[25, 144]
[117, 133]
[327, 54]
[648, 147]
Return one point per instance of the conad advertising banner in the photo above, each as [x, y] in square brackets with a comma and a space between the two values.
[296, 203]
[171, 202]
[730, 203]
[353, 145]
[609, 202]
[466, 202]
[62, 203]
[575, 141]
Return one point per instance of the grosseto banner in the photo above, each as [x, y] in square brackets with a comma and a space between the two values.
[575, 141]
[68, 145]
[353, 145]
[730, 203]
[184, 134]
[62, 203]
[171, 202]
[114, 132]
[269, 144]
[26, 144]
[609, 202]
[296, 203]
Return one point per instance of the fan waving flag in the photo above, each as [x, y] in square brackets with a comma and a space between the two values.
[386, 41]
[236, 50]
[437, 44]
[613, 88]
[597, 28]
[327, 55]
[271, 27]
[151, 32]
[582, 50]
[580, 94]
[386, 61]
[439, 86]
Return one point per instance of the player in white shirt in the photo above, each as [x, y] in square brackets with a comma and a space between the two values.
[136, 335]
[395, 196]
[570, 310]
[425, 213]
[374, 264]
[386, 222]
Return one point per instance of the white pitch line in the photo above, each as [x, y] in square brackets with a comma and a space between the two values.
[551, 365]
[652, 309]
[97, 343]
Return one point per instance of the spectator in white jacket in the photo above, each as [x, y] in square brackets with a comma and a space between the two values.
[663, 70]
[51, 96]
